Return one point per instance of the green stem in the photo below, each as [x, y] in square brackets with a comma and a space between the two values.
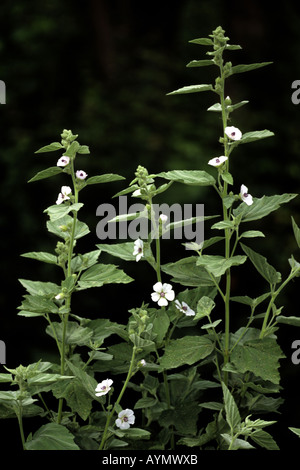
[274, 295]
[129, 375]
[20, 421]
[68, 299]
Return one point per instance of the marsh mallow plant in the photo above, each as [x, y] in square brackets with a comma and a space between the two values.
[175, 372]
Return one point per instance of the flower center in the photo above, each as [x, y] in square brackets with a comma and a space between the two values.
[246, 194]
[162, 294]
[217, 160]
[125, 419]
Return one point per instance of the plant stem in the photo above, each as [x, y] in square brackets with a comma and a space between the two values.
[264, 328]
[20, 421]
[68, 299]
[129, 375]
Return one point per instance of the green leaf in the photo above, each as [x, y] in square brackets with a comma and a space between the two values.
[187, 350]
[227, 177]
[187, 273]
[255, 135]
[192, 177]
[121, 250]
[38, 304]
[247, 67]
[146, 402]
[233, 417]
[83, 149]
[296, 230]
[72, 149]
[296, 431]
[262, 207]
[41, 256]
[204, 307]
[50, 148]
[191, 89]
[74, 334]
[258, 356]
[252, 234]
[295, 321]
[54, 226]
[40, 288]
[52, 436]
[52, 171]
[202, 41]
[56, 212]
[101, 274]
[261, 264]
[106, 178]
[218, 265]
[264, 439]
[82, 262]
[200, 63]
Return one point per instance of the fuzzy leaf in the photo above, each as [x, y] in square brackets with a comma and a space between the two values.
[101, 274]
[262, 207]
[52, 171]
[248, 67]
[192, 177]
[107, 178]
[262, 265]
[191, 89]
[200, 63]
[52, 436]
[50, 148]
[218, 265]
[187, 273]
[41, 256]
[187, 350]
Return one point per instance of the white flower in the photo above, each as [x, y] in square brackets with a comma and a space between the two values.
[63, 161]
[138, 249]
[103, 387]
[217, 161]
[125, 419]
[162, 294]
[136, 193]
[163, 218]
[233, 133]
[142, 363]
[247, 198]
[63, 195]
[81, 175]
[184, 308]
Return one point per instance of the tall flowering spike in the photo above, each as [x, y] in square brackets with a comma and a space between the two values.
[163, 293]
[125, 419]
[103, 387]
[218, 161]
[233, 133]
[245, 196]
[138, 250]
[64, 194]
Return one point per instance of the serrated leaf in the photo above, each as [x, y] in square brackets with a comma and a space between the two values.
[121, 250]
[187, 273]
[262, 207]
[83, 149]
[40, 288]
[262, 265]
[233, 417]
[187, 350]
[56, 212]
[191, 89]
[258, 356]
[52, 171]
[74, 334]
[218, 265]
[247, 67]
[101, 274]
[41, 256]
[264, 439]
[50, 148]
[192, 177]
[54, 226]
[52, 436]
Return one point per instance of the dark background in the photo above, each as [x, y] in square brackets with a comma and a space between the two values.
[103, 69]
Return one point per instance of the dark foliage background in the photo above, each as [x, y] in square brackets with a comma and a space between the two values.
[103, 69]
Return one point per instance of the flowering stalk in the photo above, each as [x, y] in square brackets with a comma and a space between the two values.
[68, 299]
[108, 420]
